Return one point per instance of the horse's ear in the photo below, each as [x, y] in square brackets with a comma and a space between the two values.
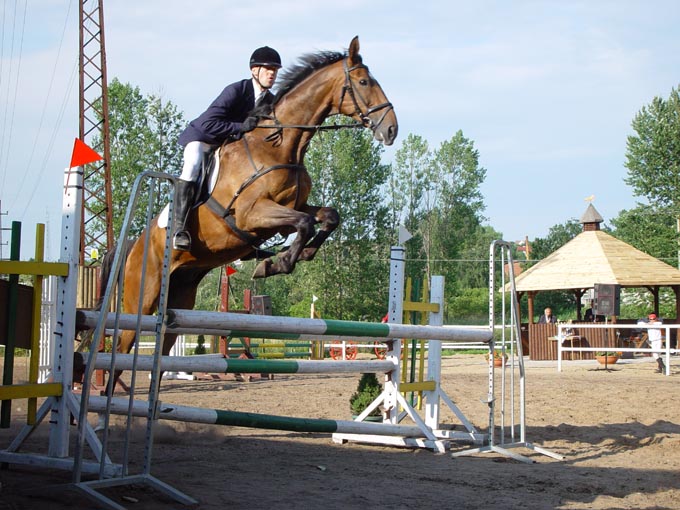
[353, 52]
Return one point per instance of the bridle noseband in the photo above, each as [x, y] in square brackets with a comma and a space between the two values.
[348, 89]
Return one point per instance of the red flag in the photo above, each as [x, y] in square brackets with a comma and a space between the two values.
[231, 271]
[82, 154]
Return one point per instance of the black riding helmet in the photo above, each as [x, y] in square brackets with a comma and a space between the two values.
[265, 57]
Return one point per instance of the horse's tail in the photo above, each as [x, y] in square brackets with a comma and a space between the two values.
[107, 265]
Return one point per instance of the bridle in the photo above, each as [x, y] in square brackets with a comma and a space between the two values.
[347, 90]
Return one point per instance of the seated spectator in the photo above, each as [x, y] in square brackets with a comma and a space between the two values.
[590, 315]
[547, 317]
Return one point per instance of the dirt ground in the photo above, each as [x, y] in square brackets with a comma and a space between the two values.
[618, 430]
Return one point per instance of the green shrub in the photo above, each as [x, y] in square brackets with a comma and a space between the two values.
[368, 390]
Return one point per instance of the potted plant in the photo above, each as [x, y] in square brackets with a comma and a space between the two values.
[607, 357]
[498, 358]
[367, 391]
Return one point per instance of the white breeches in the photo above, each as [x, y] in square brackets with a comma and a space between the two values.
[193, 159]
[655, 342]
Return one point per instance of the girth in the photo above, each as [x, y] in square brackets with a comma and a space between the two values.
[227, 213]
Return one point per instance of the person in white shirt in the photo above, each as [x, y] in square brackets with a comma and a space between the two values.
[654, 335]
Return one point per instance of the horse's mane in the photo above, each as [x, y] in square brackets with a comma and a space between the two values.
[305, 66]
[290, 78]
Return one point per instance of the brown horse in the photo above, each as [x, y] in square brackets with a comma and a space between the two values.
[262, 187]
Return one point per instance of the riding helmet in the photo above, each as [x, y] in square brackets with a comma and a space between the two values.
[266, 57]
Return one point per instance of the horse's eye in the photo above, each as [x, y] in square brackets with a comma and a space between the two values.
[363, 82]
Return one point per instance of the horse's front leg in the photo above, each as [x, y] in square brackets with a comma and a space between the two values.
[328, 219]
[271, 216]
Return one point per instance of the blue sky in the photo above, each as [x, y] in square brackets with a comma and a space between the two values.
[545, 90]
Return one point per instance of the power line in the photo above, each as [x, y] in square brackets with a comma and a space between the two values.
[5, 154]
[40, 124]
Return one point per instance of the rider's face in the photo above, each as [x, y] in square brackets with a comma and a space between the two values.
[265, 75]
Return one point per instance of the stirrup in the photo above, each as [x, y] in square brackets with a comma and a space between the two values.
[182, 241]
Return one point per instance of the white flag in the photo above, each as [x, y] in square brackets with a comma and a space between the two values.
[314, 298]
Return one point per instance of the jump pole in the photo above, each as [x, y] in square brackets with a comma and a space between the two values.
[253, 420]
[223, 365]
[293, 328]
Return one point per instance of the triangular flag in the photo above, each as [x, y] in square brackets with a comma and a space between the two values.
[83, 154]
[314, 298]
[231, 271]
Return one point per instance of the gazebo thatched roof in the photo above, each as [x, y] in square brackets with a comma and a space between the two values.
[594, 257]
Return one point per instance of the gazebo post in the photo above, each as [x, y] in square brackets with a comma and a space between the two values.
[578, 294]
[530, 306]
[676, 291]
[655, 295]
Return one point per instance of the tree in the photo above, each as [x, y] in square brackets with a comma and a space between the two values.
[650, 229]
[407, 191]
[558, 236]
[350, 272]
[653, 155]
[348, 175]
[143, 133]
[456, 201]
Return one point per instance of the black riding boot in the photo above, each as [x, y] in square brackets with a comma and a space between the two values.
[662, 367]
[183, 202]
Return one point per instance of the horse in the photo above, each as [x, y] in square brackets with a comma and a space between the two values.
[262, 187]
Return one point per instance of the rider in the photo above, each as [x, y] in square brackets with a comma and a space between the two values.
[226, 117]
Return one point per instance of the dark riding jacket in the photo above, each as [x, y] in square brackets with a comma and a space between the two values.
[224, 116]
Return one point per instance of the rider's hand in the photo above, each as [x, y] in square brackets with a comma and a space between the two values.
[249, 124]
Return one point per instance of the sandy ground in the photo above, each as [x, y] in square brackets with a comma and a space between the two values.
[618, 430]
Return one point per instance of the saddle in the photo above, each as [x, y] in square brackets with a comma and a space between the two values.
[205, 184]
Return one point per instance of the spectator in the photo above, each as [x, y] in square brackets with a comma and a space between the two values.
[547, 317]
[654, 335]
[590, 314]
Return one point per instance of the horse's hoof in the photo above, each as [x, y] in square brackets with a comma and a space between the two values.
[262, 269]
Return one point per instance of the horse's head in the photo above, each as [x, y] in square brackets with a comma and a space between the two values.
[364, 100]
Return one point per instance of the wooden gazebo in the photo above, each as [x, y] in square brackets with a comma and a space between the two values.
[592, 257]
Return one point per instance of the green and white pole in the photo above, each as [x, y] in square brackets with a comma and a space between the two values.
[219, 364]
[253, 420]
[293, 328]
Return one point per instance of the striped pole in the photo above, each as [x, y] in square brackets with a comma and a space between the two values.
[253, 420]
[265, 326]
[219, 364]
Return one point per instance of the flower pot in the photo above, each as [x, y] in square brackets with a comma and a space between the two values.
[497, 360]
[607, 360]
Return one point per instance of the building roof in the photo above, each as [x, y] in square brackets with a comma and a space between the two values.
[596, 257]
